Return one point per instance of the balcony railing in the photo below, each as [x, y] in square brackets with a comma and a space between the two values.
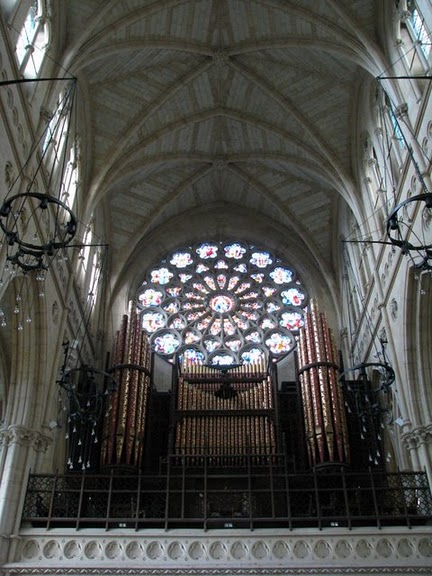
[251, 493]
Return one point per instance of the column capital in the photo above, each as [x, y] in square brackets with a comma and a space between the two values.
[418, 436]
[25, 437]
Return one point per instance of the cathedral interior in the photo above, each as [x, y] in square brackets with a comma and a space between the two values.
[215, 287]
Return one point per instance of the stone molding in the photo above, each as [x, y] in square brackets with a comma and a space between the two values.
[420, 435]
[224, 552]
[25, 437]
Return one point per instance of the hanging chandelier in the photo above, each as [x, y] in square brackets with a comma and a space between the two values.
[37, 224]
[419, 250]
[86, 391]
[31, 251]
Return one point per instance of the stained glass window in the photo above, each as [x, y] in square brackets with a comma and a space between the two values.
[222, 303]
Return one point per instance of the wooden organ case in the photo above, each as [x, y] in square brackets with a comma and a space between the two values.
[225, 413]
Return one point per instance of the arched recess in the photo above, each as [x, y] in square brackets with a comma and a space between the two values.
[222, 221]
[4, 374]
[25, 335]
[418, 321]
[23, 438]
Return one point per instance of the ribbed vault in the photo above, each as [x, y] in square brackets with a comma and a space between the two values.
[193, 105]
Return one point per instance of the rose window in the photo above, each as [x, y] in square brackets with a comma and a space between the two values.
[222, 303]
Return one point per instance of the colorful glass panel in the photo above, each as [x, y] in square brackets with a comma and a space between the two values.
[210, 344]
[203, 324]
[252, 355]
[181, 259]
[167, 343]
[161, 276]
[200, 287]
[192, 305]
[194, 316]
[240, 323]
[233, 281]
[229, 327]
[191, 337]
[221, 289]
[216, 327]
[222, 303]
[292, 296]
[177, 323]
[209, 280]
[173, 291]
[233, 344]
[281, 275]
[272, 306]
[192, 355]
[258, 277]
[184, 277]
[243, 286]
[253, 336]
[222, 360]
[194, 296]
[249, 314]
[291, 320]
[249, 295]
[221, 280]
[278, 343]
[206, 251]
[269, 291]
[152, 321]
[151, 297]
[172, 307]
[234, 251]
[256, 305]
[261, 259]
[221, 265]
[267, 323]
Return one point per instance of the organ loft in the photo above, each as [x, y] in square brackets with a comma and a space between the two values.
[227, 445]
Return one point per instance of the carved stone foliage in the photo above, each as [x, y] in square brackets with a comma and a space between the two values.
[25, 437]
[418, 436]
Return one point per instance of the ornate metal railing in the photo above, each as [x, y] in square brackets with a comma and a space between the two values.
[192, 492]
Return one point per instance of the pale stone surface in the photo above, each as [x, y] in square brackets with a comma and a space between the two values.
[261, 551]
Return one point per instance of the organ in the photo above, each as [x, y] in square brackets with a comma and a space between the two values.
[228, 413]
[225, 411]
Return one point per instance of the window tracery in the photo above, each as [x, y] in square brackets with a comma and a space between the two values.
[222, 303]
[71, 176]
[33, 39]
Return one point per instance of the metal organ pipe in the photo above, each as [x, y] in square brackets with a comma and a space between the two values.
[322, 397]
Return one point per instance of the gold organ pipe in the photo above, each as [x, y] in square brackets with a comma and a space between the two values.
[320, 356]
[119, 354]
[307, 400]
[132, 402]
[315, 393]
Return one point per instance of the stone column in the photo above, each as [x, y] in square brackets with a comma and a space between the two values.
[20, 446]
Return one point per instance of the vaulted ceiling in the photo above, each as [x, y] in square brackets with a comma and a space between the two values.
[220, 117]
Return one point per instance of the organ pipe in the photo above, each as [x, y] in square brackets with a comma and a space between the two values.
[225, 415]
[322, 397]
[124, 424]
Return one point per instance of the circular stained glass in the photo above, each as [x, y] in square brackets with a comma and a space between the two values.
[222, 303]
[166, 342]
